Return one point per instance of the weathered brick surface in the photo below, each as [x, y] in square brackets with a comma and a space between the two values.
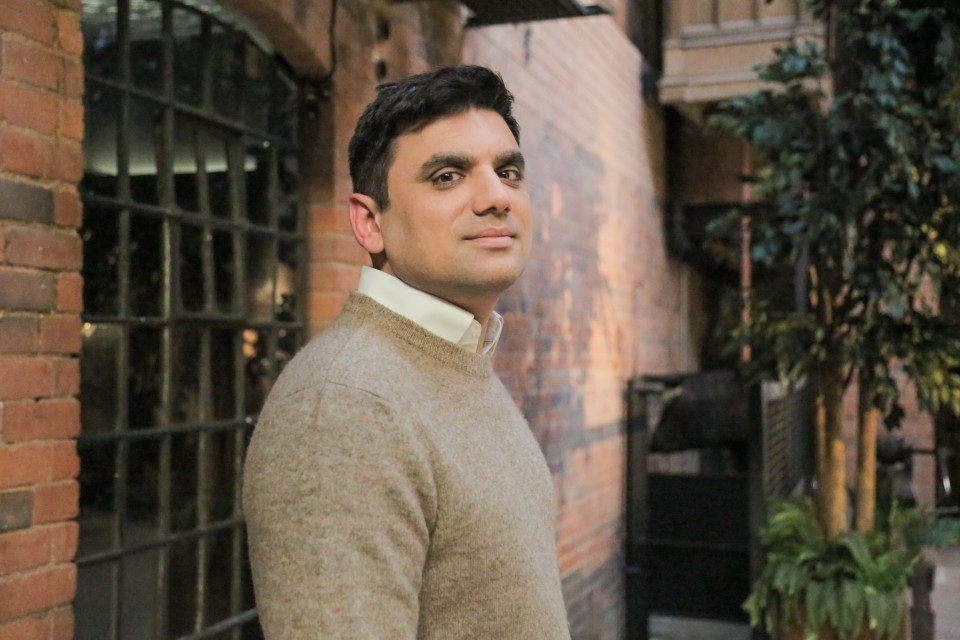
[64, 462]
[66, 377]
[24, 153]
[70, 121]
[26, 549]
[26, 377]
[16, 509]
[68, 162]
[26, 629]
[62, 624]
[326, 305]
[64, 537]
[69, 294]
[23, 289]
[56, 501]
[30, 463]
[31, 592]
[68, 210]
[33, 19]
[41, 128]
[32, 63]
[44, 420]
[29, 107]
[333, 276]
[69, 37]
[43, 248]
[37, 547]
[23, 201]
[18, 333]
[60, 333]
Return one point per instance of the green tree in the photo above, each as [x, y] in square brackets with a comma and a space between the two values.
[860, 184]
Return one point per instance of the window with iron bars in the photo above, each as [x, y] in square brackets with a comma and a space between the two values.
[193, 262]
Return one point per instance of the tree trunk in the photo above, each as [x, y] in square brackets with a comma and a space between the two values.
[866, 460]
[832, 492]
[820, 444]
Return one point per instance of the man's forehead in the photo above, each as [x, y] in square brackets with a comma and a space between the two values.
[460, 133]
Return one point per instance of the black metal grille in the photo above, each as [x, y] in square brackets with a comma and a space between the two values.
[787, 425]
[486, 13]
[193, 255]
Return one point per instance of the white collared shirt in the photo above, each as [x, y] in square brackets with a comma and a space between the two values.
[437, 316]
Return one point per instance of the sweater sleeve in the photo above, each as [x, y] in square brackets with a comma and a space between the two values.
[340, 502]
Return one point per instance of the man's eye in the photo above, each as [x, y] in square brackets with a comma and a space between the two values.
[513, 175]
[446, 178]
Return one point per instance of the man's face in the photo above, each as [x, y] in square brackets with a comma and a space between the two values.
[458, 224]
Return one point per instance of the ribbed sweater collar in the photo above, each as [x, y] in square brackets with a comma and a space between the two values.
[364, 309]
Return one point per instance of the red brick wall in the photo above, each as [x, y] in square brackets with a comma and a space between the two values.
[601, 300]
[41, 126]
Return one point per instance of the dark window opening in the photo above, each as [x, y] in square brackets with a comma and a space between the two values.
[193, 264]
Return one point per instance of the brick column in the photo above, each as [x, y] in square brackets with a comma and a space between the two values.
[41, 128]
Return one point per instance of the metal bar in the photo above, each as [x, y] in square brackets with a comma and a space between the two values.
[199, 318]
[211, 117]
[156, 433]
[205, 485]
[206, 59]
[123, 295]
[202, 178]
[273, 187]
[636, 490]
[166, 198]
[118, 520]
[231, 623]
[174, 213]
[239, 444]
[158, 543]
[207, 16]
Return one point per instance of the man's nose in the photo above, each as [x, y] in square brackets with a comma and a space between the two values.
[491, 196]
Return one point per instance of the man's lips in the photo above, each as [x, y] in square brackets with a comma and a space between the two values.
[494, 237]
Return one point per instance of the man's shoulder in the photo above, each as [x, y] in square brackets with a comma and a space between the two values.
[347, 353]
[328, 384]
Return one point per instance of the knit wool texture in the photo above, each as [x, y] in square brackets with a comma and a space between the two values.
[393, 489]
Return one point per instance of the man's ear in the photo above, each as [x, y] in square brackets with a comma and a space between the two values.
[365, 220]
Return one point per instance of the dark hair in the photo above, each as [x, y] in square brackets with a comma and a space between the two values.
[411, 104]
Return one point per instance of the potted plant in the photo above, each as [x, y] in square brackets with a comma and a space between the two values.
[858, 182]
[850, 587]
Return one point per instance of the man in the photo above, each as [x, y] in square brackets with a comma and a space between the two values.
[392, 488]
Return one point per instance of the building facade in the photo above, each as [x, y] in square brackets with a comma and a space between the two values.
[173, 188]
[173, 224]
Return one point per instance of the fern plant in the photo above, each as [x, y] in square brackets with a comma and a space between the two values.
[813, 583]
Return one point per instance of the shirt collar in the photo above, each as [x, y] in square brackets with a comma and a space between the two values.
[437, 316]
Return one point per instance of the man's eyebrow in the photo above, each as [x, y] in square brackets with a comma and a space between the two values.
[511, 157]
[443, 159]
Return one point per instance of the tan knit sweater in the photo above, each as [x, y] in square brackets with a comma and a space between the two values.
[393, 490]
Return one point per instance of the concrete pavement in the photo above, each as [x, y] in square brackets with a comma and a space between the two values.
[945, 598]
